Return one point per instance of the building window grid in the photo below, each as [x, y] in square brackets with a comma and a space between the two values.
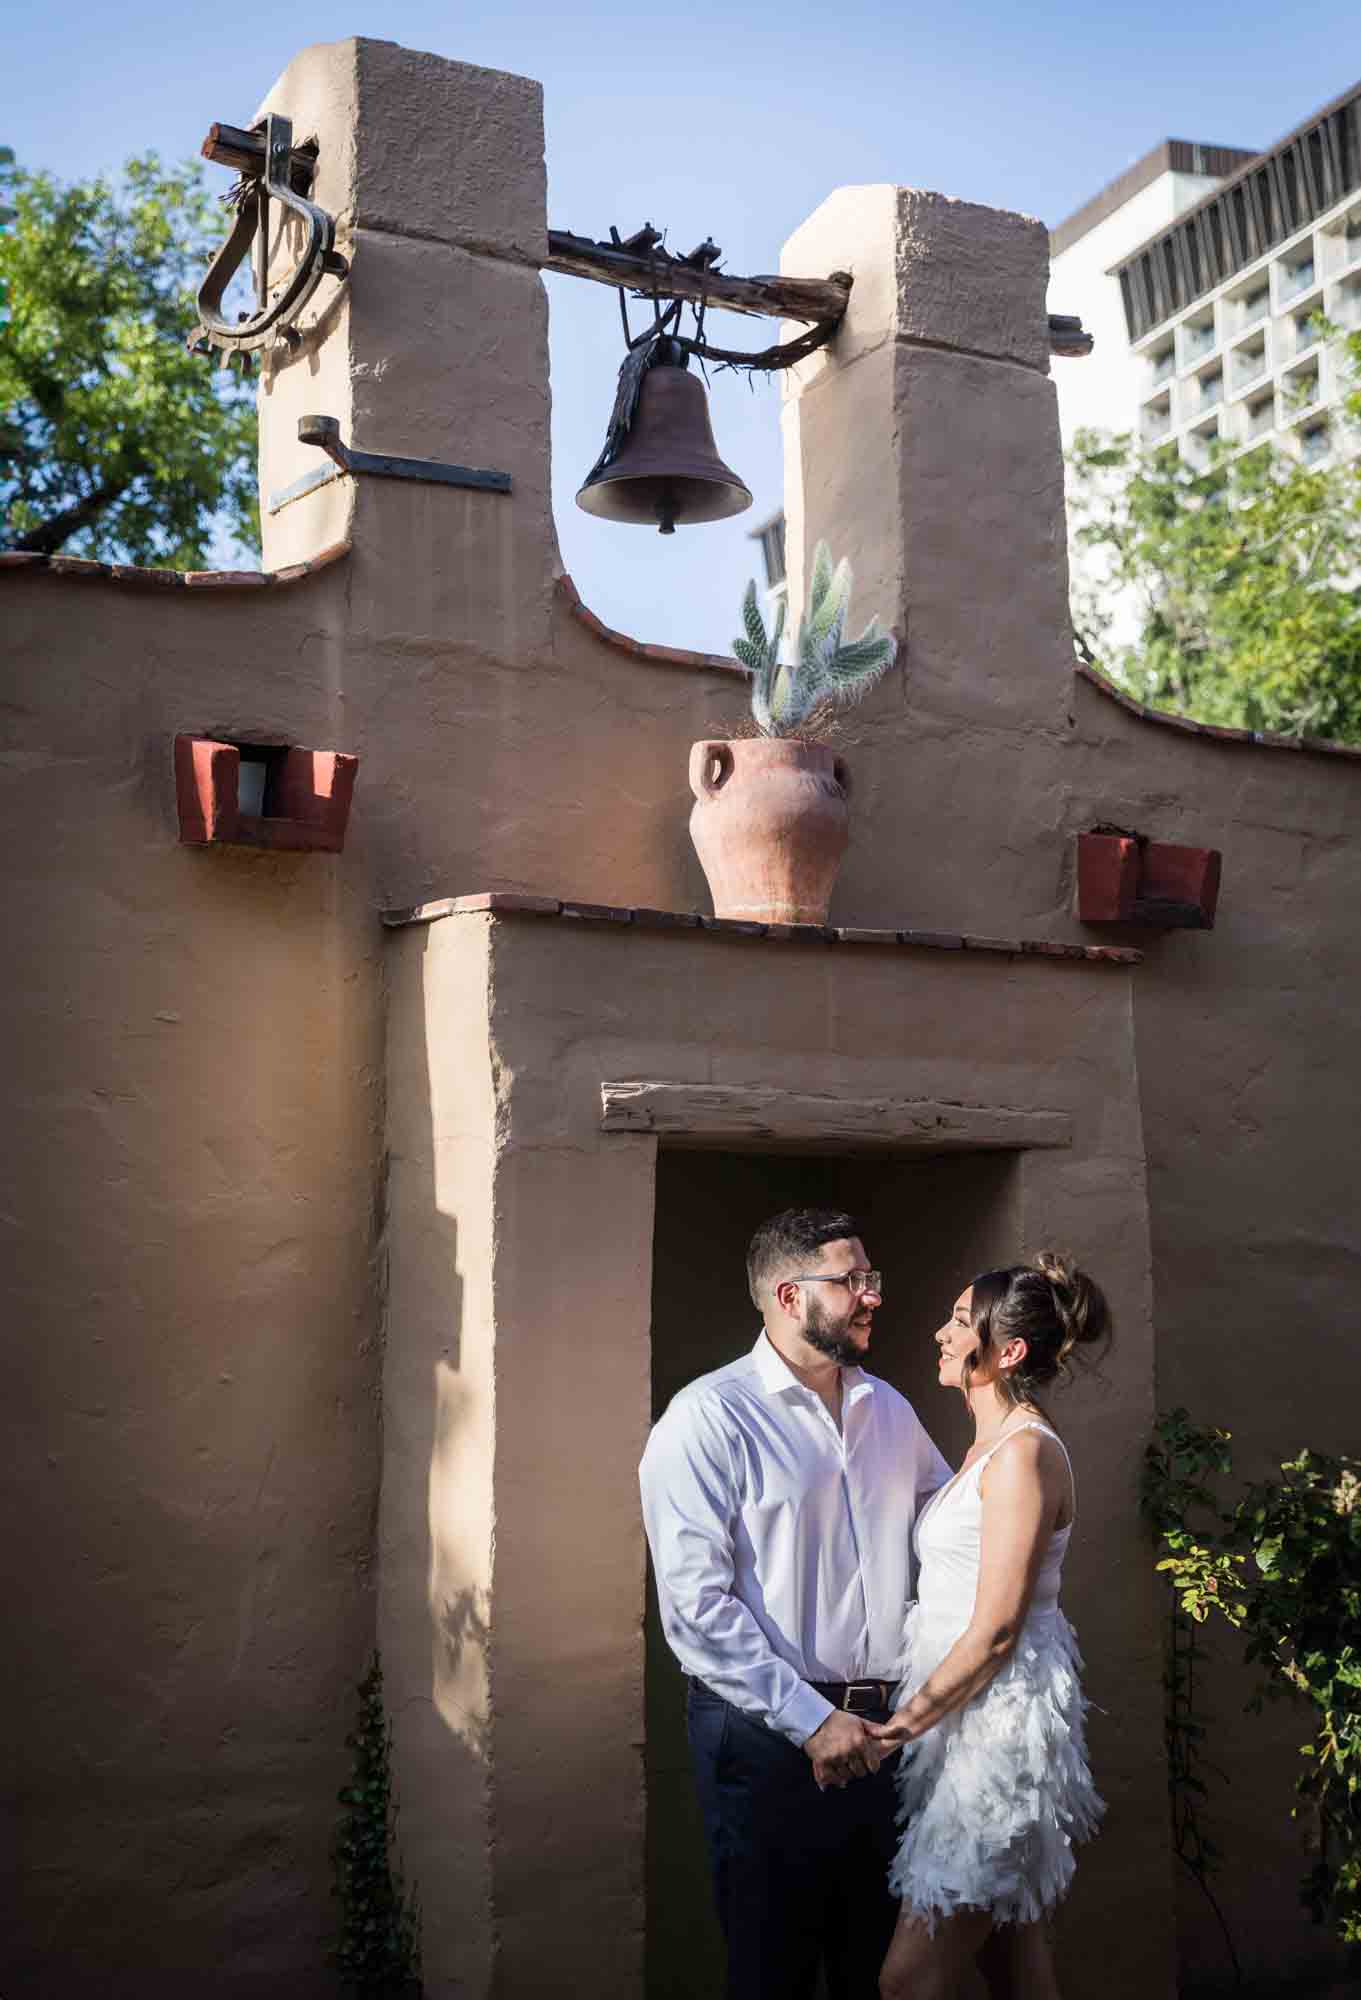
[1248, 363]
[1322, 254]
[1295, 275]
[1286, 193]
[1302, 391]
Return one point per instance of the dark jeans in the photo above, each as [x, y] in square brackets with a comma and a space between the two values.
[799, 1874]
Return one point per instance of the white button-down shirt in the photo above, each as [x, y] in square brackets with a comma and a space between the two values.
[782, 1546]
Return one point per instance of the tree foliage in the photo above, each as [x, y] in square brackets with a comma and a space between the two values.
[1241, 579]
[115, 442]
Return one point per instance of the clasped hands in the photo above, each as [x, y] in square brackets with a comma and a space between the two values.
[847, 1747]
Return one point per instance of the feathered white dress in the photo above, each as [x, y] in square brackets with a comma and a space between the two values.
[994, 1796]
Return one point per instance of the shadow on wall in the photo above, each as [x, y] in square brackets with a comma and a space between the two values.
[458, 1609]
[434, 1604]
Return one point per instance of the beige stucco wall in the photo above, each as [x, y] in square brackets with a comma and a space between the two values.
[573, 1005]
[194, 1075]
[192, 1125]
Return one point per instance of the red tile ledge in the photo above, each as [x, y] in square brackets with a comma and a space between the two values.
[597, 913]
[665, 656]
[18, 561]
[507, 902]
[1261, 739]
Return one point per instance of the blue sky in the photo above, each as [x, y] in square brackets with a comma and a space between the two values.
[727, 121]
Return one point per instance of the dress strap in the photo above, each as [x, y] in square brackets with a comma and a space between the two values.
[1048, 1432]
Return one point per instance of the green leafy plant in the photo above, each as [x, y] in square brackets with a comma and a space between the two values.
[1283, 1567]
[115, 442]
[827, 672]
[378, 1954]
[1179, 1461]
[1227, 591]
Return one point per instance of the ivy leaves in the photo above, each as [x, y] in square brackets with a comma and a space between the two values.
[1283, 1567]
[378, 1953]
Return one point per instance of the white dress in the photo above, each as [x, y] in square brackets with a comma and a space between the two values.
[993, 1797]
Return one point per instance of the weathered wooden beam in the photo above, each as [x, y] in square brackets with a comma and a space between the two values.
[233, 146]
[754, 1117]
[810, 299]
[771, 297]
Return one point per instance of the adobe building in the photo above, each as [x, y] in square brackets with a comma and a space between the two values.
[364, 1203]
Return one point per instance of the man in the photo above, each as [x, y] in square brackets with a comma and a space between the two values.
[779, 1495]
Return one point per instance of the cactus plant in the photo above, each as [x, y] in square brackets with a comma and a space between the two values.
[825, 673]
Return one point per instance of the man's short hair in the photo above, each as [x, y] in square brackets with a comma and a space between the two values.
[789, 1240]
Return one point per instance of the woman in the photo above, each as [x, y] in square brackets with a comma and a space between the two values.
[994, 1781]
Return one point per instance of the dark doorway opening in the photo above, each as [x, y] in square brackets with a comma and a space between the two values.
[931, 1222]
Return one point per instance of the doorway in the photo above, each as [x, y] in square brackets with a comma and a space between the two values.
[931, 1222]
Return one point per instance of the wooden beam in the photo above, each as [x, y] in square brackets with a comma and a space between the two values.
[809, 299]
[233, 146]
[757, 1118]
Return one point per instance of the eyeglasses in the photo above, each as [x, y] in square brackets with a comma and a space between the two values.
[855, 1282]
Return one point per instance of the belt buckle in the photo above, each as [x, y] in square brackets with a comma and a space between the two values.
[872, 1689]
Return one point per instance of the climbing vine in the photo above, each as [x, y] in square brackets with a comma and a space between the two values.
[1179, 1462]
[378, 1953]
[1283, 1566]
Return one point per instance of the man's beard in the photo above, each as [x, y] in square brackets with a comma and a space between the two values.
[832, 1339]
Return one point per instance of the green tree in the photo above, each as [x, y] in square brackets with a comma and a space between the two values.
[115, 442]
[1244, 577]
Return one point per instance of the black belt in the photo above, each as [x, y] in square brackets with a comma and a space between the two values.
[856, 1697]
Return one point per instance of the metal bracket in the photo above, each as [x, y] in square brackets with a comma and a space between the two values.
[269, 167]
[324, 432]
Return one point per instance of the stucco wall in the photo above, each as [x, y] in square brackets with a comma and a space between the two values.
[573, 1325]
[193, 1106]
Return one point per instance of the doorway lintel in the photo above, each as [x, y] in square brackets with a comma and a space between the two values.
[761, 1117]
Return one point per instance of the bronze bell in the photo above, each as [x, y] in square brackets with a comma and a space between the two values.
[667, 470]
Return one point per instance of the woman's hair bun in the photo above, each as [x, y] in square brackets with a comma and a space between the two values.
[1079, 1301]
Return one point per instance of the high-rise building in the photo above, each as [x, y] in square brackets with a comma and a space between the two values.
[1208, 275]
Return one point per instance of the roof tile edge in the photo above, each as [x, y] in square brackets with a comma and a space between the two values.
[1260, 739]
[666, 656]
[19, 562]
[511, 903]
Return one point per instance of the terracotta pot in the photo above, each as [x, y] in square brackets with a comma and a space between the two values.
[769, 825]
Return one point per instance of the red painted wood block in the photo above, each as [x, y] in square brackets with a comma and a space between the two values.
[1107, 878]
[307, 797]
[310, 793]
[1185, 878]
[1122, 879]
[206, 779]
